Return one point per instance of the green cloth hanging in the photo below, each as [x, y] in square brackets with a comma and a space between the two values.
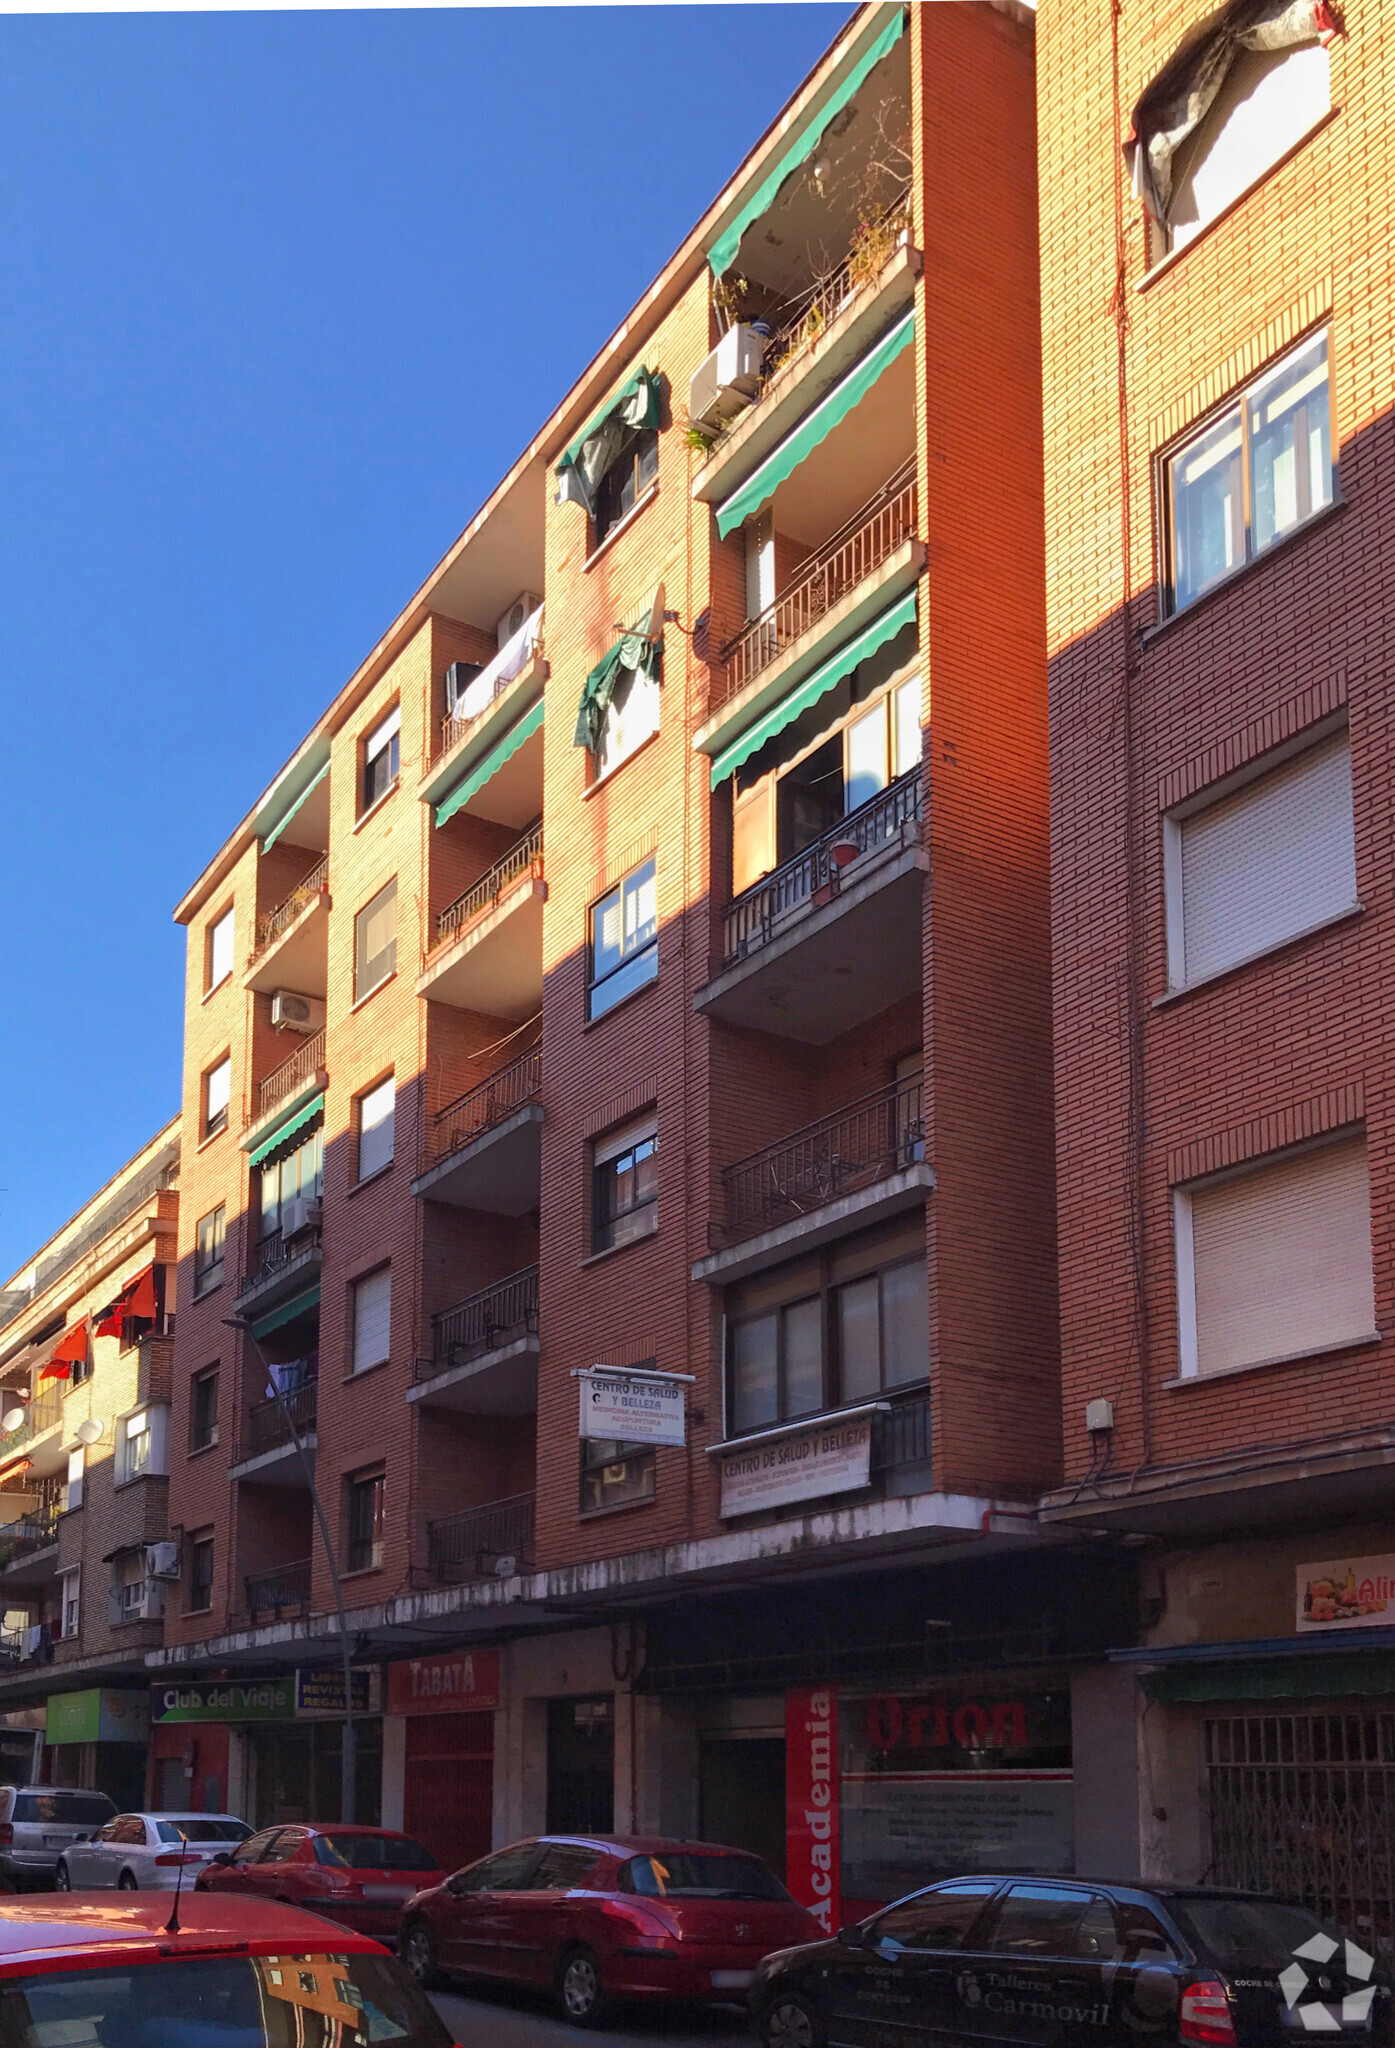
[631, 651]
[304, 1115]
[635, 406]
[485, 770]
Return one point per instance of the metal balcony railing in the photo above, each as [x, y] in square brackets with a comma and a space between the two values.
[275, 1257]
[840, 1154]
[275, 922]
[752, 919]
[867, 540]
[44, 1410]
[305, 1061]
[902, 1437]
[469, 1545]
[481, 1107]
[266, 1424]
[525, 853]
[486, 688]
[274, 1591]
[30, 1533]
[496, 1315]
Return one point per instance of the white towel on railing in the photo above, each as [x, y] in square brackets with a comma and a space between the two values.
[510, 661]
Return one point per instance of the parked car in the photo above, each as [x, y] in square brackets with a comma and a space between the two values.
[600, 1917]
[37, 1822]
[147, 1851]
[359, 1876]
[1060, 1965]
[237, 1972]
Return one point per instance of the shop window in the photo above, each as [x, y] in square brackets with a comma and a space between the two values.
[624, 949]
[372, 1325]
[628, 478]
[203, 1410]
[284, 1179]
[375, 942]
[366, 1494]
[376, 1114]
[200, 1575]
[625, 1186]
[381, 759]
[219, 960]
[217, 1094]
[615, 1475]
[209, 1242]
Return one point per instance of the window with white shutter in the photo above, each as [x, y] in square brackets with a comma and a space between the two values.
[376, 1117]
[1271, 860]
[1275, 1261]
[220, 949]
[372, 1318]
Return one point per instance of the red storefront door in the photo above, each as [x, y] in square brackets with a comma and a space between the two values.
[449, 1789]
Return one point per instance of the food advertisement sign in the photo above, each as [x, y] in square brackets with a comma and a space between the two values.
[836, 1457]
[1355, 1592]
[629, 1408]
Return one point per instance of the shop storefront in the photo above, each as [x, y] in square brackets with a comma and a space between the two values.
[269, 1748]
[441, 1717]
[97, 1739]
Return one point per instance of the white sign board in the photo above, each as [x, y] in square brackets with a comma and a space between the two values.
[834, 1457]
[622, 1408]
[937, 1823]
[1354, 1592]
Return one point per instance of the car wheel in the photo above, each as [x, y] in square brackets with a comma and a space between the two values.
[418, 1952]
[579, 1987]
[789, 2023]
[127, 1882]
[61, 1880]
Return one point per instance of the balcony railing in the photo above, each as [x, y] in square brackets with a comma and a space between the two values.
[496, 1315]
[30, 1533]
[522, 855]
[902, 1437]
[275, 1591]
[276, 1256]
[839, 1155]
[275, 922]
[480, 1108]
[267, 1426]
[491, 682]
[303, 1064]
[752, 919]
[861, 546]
[43, 1411]
[470, 1545]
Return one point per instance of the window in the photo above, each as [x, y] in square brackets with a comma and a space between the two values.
[209, 1240]
[1270, 860]
[614, 1475]
[629, 719]
[295, 1173]
[203, 1410]
[1251, 476]
[565, 1867]
[141, 1440]
[200, 1575]
[777, 1365]
[77, 1472]
[625, 1181]
[380, 758]
[375, 1127]
[70, 1608]
[881, 744]
[624, 951]
[217, 1093]
[1045, 1920]
[220, 950]
[375, 942]
[938, 1919]
[883, 1331]
[627, 479]
[1267, 103]
[1274, 1261]
[372, 1318]
[366, 1521]
[130, 1602]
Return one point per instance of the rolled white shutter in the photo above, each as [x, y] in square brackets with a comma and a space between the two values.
[380, 736]
[372, 1318]
[375, 1130]
[1282, 1258]
[1270, 861]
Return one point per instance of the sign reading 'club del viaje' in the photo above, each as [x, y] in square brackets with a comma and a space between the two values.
[835, 1457]
[631, 1408]
[259, 1699]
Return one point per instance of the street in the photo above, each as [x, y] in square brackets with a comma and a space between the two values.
[501, 2017]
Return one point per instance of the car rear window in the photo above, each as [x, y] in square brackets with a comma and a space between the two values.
[316, 2001]
[68, 1809]
[1253, 1933]
[373, 1852]
[688, 1876]
[202, 1830]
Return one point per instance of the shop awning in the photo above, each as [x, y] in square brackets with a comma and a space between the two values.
[631, 651]
[298, 1305]
[634, 406]
[285, 818]
[1349, 1663]
[815, 427]
[874, 635]
[722, 254]
[306, 1114]
[484, 771]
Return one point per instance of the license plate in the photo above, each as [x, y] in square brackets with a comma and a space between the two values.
[387, 1894]
[732, 1980]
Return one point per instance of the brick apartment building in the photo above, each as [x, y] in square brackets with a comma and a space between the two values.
[632, 1001]
[1218, 392]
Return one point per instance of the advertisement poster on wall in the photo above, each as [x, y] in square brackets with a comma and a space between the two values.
[811, 1803]
[1352, 1592]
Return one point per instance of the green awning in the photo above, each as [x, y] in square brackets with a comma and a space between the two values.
[485, 770]
[307, 1113]
[634, 406]
[815, 427]
[631, 651]
[883, 628]
[722, 254]
[285, 818]
[1276, 1678]
[262, 1326]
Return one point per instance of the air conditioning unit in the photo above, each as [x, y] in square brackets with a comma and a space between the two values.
[305, 1014]
[517, 615]
[302, 1212]
[459, 677]
[162, 1560]
[727, 382]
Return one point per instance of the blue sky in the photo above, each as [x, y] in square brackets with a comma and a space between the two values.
[281, 296]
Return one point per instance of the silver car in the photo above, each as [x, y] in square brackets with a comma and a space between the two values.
[37, 1823]
[140, 1852]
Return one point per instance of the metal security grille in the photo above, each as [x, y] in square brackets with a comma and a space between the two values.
[1304, 1805]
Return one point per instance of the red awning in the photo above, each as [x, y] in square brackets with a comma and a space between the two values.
[138, 1295]
[15, 1467]
[70, 1350]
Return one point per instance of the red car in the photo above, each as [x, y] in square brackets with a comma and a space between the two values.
[606, 1916]
[104, 1967]
[361, 1877]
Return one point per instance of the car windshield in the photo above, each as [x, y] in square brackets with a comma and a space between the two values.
[685, 1875]
[195, 1830]
[373, 1852]
[69, 1809]
[315, 2001]
[1254, 1933]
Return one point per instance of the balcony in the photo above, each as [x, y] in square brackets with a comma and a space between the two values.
[29, 1551]
[484, 1150]
[267, 1451]
[292, 940]
[484, 1352]
[849, 1170]
[286, 1268]
[44, 1412]
[493, 703]
[270, 1596]
[486, 952]
[480, 1543]
[832, 936]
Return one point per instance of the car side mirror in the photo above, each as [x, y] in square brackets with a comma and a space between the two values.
[456, 1885]
[851, 1937]
[223, 1856]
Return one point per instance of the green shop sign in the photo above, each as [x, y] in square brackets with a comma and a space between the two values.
[265, 1699]
[96, 1715]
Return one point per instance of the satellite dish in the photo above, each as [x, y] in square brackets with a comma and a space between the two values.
[12, 1418]
[89, 1432]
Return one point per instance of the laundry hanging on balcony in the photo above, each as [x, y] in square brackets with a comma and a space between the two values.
[815, 427]
[634, 407]
[70, 1350]
[484, 771]
[722, 254]
[283, 1133]
[631, 652]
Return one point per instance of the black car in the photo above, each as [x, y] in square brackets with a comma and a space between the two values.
[1002, 1962]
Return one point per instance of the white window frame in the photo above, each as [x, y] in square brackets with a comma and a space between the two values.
[222, 934]
[377, 1122]
[71, 1596]
[77, 1478]
[379, 740]
[155, 1416]
[221, 1067]
[361, 995]
[381, 1275]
